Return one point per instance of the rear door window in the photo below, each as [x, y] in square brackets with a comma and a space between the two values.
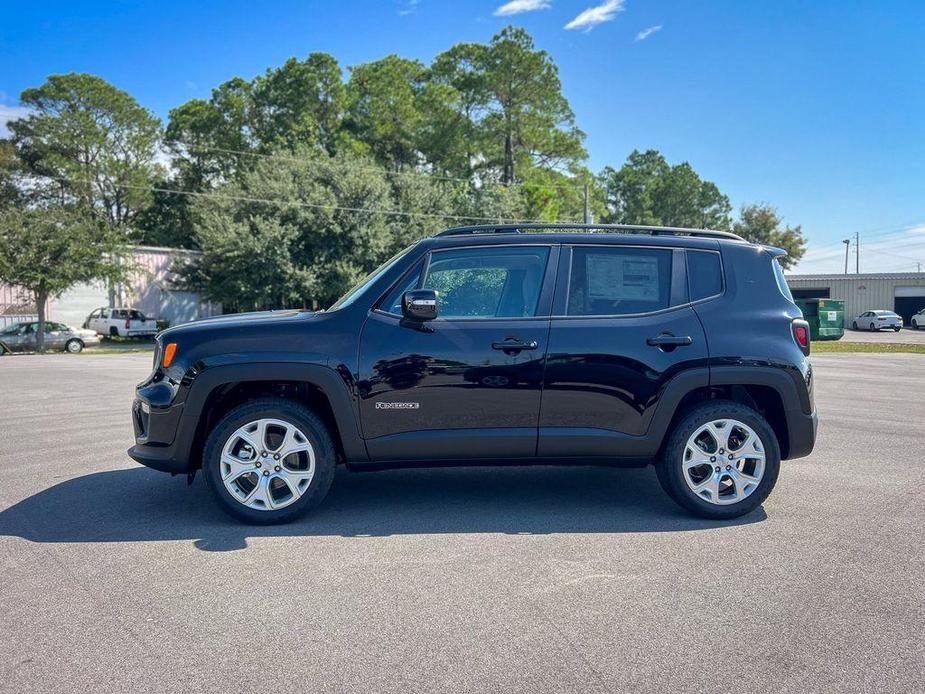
[609, 281]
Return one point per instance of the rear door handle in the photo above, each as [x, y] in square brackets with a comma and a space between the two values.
[511, 345]
[669, 341]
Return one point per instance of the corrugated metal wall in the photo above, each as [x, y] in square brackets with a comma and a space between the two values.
[860, 292]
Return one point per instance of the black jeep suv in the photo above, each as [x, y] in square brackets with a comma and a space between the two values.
[506, 344]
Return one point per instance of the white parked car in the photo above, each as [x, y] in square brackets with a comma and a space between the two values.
[877, 320]
[918, 320]
[121, 322]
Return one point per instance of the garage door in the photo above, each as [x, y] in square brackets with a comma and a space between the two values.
[909, 301]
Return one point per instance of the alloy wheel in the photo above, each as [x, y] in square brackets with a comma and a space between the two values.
[267, 464]
[723, 461]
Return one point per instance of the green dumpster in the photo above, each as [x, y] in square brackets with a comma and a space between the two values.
[826, 318]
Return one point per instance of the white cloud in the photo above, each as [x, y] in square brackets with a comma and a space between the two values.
[8, 113]
[518, 6]
[593, 16]
[647, 32]
[410, 7]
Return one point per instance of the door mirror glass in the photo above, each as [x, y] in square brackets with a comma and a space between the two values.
[419, 304]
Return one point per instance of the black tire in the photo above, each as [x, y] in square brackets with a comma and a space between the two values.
[872, 327]
[113, 331]
[896, 329]
[669, 466]
[276, 408]
[854, 325]
[74, 346]
[915, 325]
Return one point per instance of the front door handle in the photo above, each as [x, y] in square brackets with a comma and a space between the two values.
[669, 341]
[512, 346]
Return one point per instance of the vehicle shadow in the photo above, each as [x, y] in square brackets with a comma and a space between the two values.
[140, 505]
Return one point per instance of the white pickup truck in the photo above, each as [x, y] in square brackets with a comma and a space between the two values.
[121, 322]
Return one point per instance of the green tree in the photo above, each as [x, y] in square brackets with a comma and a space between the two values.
[455, 100]
[10, 193]
[385, 109]
[302, 249]
[529, 121]
[48, 250]
[89, 142]
[760, 223]
[205, 136]
[648, 190]
[300, 103]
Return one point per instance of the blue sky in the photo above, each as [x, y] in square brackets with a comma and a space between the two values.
[817, 107]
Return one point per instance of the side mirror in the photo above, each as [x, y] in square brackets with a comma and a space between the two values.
[419, 305]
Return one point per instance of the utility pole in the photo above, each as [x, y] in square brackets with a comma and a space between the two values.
[857, 253]
[847, 243]
[587, 205]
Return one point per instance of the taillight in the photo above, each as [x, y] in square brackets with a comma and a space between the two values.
[801, 335]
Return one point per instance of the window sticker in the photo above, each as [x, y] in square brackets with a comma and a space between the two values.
[619, 277]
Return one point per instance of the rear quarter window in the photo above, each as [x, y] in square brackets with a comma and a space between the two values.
[705, 274]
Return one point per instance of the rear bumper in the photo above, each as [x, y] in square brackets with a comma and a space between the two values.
[802, 433]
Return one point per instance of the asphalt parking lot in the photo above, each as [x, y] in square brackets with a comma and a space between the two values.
[117, 578]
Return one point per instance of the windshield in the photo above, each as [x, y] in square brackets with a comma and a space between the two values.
[361, 286]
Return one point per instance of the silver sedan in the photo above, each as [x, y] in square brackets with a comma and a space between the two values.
[22, 337]
[878, 320]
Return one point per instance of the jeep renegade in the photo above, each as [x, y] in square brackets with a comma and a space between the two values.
[501, 344]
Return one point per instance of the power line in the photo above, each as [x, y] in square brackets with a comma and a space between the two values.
[384, 171]
[295, 203]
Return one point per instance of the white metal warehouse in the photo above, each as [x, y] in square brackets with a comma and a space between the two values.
[903, 292]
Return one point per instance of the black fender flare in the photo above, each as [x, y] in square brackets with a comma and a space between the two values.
[326, 379]
[797, 405]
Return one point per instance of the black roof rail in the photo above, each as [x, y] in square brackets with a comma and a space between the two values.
[575, 226]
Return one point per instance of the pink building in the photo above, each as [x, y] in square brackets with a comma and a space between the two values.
[151, 289]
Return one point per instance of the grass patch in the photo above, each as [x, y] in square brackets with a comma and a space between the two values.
[893, 347]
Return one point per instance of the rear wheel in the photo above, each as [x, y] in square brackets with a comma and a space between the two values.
[74, 346]
[721, 460]
[873, 327]
[113, 331]
[269, 461]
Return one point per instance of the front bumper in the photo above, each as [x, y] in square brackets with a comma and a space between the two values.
[161, 442]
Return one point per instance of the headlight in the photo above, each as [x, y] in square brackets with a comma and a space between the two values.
[145, 407]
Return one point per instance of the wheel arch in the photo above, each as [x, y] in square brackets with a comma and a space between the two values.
[772, 391]
[218, 390]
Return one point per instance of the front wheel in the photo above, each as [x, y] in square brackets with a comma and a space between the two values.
[896, 329]
[872, 326]
[915, 325]
[74, 346]
[269, 461]
[721, 460]
[854, 325]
